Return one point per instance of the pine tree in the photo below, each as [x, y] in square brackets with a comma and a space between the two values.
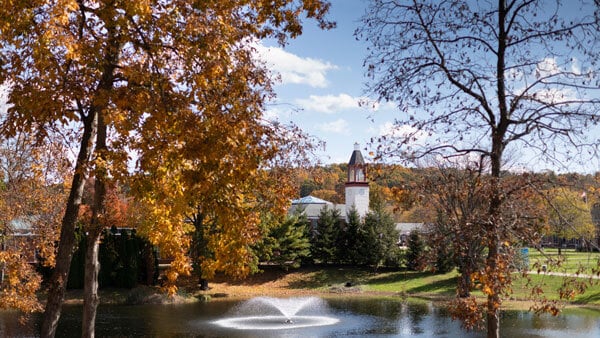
[350, 241]
[325, 239]
[381, 239]
[416, 250]
[291, 244]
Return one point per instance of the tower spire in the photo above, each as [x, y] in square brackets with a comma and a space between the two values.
[357, 187]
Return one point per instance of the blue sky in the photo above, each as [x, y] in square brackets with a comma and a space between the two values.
[322, 84]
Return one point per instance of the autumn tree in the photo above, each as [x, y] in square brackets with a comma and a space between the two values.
[172, 86]
[31, 195]
[325, 182]
[459, 197]
[481, 79]
[569, 216]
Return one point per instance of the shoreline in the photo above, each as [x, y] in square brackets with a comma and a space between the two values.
[150, 295]
[328, 282]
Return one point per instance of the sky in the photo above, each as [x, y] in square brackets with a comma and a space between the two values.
[321, 84]
[323, 81]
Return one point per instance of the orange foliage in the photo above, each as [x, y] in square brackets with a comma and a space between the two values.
[31, 204]
[177, 84]
[20, 284]
[469, 311]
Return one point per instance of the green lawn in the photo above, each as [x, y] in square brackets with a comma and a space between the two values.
[551, 285]
[443, 285]
[411, 282]
[570, 261]
[427, 284]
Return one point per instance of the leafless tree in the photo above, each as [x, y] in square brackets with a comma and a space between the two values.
[479, 78]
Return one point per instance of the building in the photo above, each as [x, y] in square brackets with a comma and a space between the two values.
[20, 236]
[357, 196]
[357, 187]
[404, 230]
[357, 192]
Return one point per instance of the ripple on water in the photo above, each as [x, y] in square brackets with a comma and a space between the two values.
[274, 322]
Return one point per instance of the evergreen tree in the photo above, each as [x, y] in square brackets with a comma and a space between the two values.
[416, 251]
[350, 241]
[444, 259]
[325, 239]
[291, 244]
[381, 239]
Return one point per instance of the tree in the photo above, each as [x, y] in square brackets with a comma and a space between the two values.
[152, 80]
[31, 198]
[460, 200]
[324, 245]
[287, 243]
[415, 255]
[351, 243]
[381, 238]
[569, 216]
[482, 79]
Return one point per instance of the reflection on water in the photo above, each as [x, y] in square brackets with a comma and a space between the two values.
[361, 317]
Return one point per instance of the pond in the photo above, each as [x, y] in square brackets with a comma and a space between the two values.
[356, 316]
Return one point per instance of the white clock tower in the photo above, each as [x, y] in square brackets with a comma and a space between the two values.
[357, 187]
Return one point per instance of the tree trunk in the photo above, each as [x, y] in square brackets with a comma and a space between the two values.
[560, 244]
[464, 285]
[493, 299]
[90, 289]
[497, 151]
[92, 264]
[493, 323]
[60, 275]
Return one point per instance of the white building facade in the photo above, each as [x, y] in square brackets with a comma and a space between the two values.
[356, 191]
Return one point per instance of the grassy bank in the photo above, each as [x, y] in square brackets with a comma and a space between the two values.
[353, 281]
[570, 261]
[357, 281]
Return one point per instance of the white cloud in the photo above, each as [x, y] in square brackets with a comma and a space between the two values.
[339, 126]
[575, 67]
[515, 74]
[391, 130]
[555, 95]
[543, 91]
[329, 103]
[3, 99]
[272, 114]
[293, 68]
[547, 67]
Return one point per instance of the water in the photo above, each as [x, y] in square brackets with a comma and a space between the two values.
[269, 313]
[287, 307]
[357, 317]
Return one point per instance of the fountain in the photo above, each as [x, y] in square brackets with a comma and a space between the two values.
[277, 314]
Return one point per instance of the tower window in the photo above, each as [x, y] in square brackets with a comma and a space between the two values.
[360, 176]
